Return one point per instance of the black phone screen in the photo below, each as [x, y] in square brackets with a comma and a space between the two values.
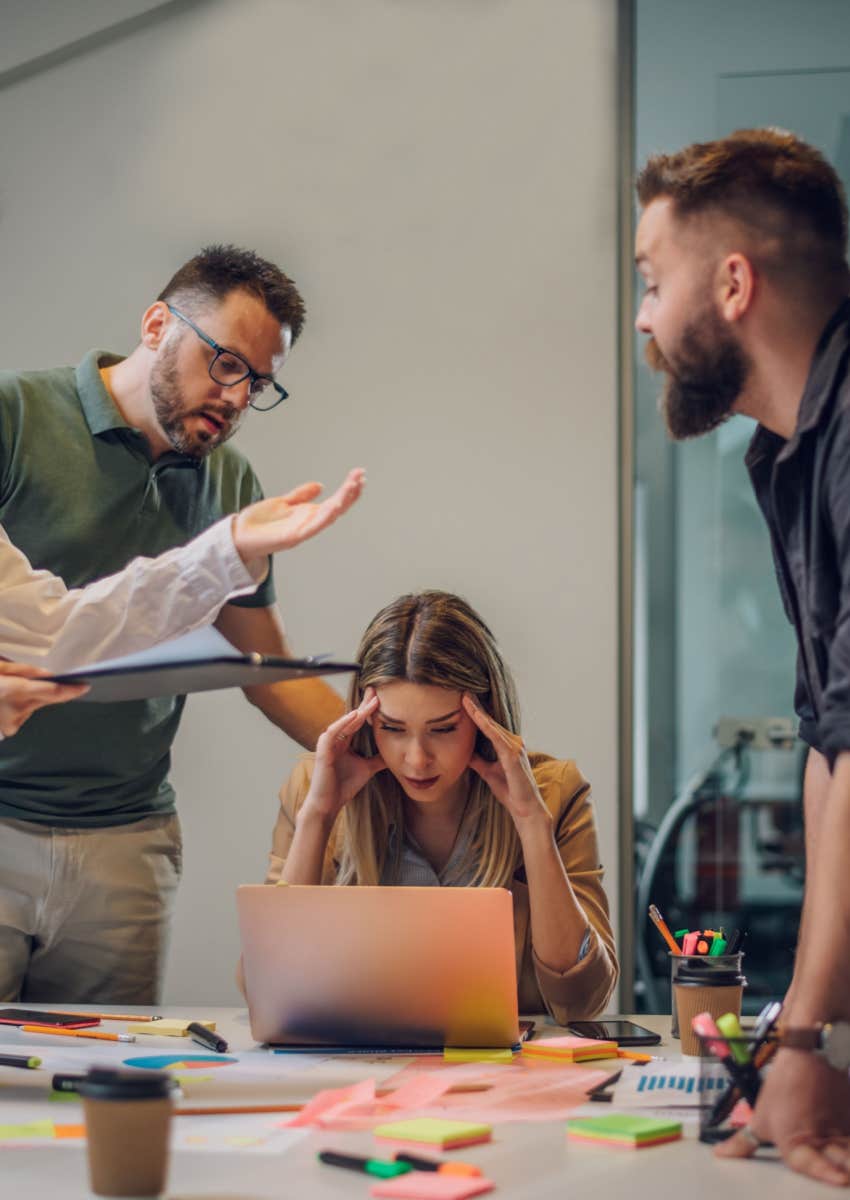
[35, 1016]
[624, 1033]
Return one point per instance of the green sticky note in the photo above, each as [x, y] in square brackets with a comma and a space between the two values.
[33, 1129]
[434, 1131]
[64, 1097]
[625, 1129]
[458, 1054]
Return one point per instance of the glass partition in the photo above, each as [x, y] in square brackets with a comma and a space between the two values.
[716, 769]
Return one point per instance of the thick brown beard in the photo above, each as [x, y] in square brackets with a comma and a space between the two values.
[702, 385]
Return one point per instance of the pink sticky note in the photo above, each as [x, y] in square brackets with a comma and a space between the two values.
[430, 1185]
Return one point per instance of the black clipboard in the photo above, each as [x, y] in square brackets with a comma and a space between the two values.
[108, 684]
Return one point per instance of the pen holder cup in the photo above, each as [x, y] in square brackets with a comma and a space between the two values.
[703, 983]
[128, 1122]
[722, 1107]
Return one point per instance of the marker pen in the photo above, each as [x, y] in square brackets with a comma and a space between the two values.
[689, 945]
[20, 1060]
[431, 1164]
[369, 1166]
[743, 1075]
[206, 1038]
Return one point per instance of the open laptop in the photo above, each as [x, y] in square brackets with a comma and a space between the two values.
[385, 967]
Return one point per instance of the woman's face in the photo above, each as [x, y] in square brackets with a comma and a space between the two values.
[425, 737]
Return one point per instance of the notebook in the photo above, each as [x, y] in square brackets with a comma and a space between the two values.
[393, 968]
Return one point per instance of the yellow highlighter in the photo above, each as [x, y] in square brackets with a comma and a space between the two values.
[730, 1027]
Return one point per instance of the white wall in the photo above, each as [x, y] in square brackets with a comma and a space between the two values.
[439, 177]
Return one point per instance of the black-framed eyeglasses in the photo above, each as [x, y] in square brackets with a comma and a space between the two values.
[229, 368]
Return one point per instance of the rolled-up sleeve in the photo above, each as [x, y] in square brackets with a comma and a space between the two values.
[584, 989]
[150, 601]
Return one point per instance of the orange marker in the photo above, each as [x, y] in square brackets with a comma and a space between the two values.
[81, 1033]
[661, 925]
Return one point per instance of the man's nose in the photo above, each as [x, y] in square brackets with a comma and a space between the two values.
[642, 321]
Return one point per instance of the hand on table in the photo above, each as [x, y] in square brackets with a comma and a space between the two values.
[804, 1109]
[339, 772]
[283, 522]
[510, 778]
[23, 690]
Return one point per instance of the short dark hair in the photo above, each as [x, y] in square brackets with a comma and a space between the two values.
[770, 181]
[221, 269]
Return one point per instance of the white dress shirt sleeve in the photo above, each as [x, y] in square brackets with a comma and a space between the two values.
[45, 623]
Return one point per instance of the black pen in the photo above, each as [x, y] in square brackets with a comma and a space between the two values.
[369, 1166]
[20, 1060]
[206, 1038]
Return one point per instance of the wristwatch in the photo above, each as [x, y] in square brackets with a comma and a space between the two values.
[831, 1040]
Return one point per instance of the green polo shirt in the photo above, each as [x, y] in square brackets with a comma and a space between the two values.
[81, 497]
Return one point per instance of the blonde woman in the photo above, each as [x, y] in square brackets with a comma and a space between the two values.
[426, 781]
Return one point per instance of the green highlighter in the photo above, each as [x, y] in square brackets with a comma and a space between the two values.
[730, 1027]
[717, 947]
[369, 1166]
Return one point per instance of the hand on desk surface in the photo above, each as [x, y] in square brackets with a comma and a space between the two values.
[23, 690]
[339, 772]
[282, 522]
[510, 778]
[804, 1109]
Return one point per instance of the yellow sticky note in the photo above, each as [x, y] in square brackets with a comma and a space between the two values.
[435, 1132]
[170, 1027]
[459, 1054]
[32, 1129]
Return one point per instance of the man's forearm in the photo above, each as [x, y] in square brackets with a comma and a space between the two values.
[816, 785]
[302, 708]
[821, 988]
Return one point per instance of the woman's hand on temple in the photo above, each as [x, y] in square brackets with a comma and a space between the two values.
[23, 689]
[510, 778]
[339, 772]
[282, 522]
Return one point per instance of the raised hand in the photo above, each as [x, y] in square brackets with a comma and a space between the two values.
[23, 689]
[510, 777]
[282, 522]
[339, 773]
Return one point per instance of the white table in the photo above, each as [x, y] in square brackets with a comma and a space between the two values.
[527, 1160]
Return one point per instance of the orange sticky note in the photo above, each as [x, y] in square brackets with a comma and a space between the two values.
[570, 1049]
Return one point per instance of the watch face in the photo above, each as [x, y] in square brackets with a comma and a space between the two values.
[835, 1041]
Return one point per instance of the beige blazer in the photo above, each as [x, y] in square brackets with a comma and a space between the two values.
[577, 994]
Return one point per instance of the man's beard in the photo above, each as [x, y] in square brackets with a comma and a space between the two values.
[171, 414]
[703, 380]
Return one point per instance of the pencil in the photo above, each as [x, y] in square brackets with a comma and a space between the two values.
[80, 1033]
[226, 1110]
[635, 1054]
[107, 1016]
[661, 925]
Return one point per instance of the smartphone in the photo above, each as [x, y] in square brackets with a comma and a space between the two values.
[624, 1033]
[37, 1016]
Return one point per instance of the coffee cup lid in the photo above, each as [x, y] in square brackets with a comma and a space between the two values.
[102, 1083]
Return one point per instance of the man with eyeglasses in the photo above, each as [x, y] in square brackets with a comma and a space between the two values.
[116, 458]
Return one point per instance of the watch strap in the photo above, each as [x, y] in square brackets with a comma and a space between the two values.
[802, 1037]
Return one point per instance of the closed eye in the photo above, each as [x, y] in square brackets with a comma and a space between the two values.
[444, 729]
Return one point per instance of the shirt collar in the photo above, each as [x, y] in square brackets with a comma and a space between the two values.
[99, 407]
[826, 361]
[102, 413]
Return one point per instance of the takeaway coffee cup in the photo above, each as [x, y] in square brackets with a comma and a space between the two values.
[704, 983]
[128, 1117]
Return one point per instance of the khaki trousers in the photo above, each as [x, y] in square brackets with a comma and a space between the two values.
[84, 913]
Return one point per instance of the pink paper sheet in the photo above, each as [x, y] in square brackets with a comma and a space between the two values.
[526, 1090]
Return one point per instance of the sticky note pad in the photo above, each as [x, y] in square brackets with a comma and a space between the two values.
[570, 1049]
[433, 1131]
[458, 1054]
[169, 1028]
[620, 1129]
[428, 1185]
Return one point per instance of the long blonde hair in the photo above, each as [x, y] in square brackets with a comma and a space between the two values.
[430, 638]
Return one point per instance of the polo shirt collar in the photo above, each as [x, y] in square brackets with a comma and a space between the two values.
[817, 393]
[97, 404]
[100, 410]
